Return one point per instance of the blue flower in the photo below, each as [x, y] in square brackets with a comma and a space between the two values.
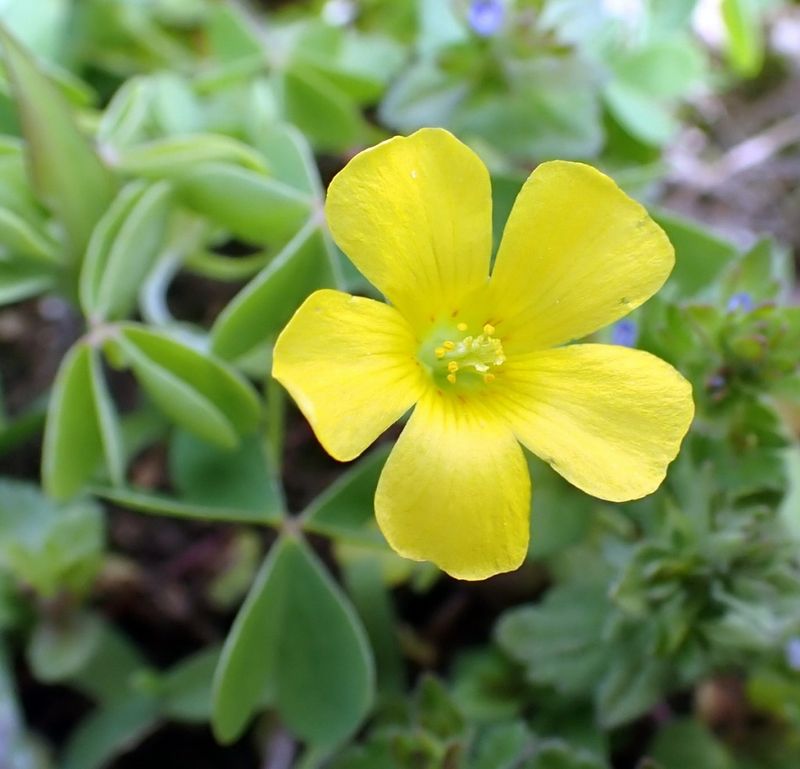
[625, 332]
[486, 17]
[792, 651]
[741, 300]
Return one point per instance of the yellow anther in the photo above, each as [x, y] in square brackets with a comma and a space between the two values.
[451, 378]
[488, 378]
[439, 352]
[488, 329]
[462, 326]
[452, 366]
[448, 345]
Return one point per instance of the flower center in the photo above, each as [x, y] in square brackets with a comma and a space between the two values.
[468, 359]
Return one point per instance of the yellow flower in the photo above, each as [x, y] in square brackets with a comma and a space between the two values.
[479, 356]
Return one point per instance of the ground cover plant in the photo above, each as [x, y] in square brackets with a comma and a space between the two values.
[185, 572]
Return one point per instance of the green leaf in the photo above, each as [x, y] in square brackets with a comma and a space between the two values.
[186, 689]
[124, 120]
[290, 159]
[559, 640]
[700, 257]
[174, 156]
[265, 304]
[551, 109]
[560, 514]
[19, 236]
[330, 120]
[195, 390]
[437, 713]
[500, 746]
[21, 279]
[687, 743]
[230, 35]
[745, 37]
[298, 644]
[242, 479]
[123, 248]
[247, 203]
[50, 547]
[556, 754]
[765, 272]
[344, 511]
[160, 504]
[634, 682]
[58, 648]
[641, 113]
[370, 595]
[107, 422]
[108, 673]
[81, 428]
[667, 68]
[109, 731]
[60, 159]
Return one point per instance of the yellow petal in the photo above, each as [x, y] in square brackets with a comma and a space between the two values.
[577, 254]
[607, 418]
[456, 491]
[350, 365]
[414, 214]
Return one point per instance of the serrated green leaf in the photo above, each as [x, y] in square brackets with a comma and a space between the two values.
[196, 391]
[59, 156]
[265, 304]
[501, 746]
[634, 681]
[248, 204]
[321, 682]
[559, 640]
[52, 548]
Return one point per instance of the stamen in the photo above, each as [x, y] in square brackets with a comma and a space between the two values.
[472, 356]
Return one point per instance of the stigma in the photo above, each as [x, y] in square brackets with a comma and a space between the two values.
[470, 356]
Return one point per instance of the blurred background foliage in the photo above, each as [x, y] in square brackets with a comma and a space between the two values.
[183, 573]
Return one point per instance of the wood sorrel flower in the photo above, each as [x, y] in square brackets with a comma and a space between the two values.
[478, 356]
